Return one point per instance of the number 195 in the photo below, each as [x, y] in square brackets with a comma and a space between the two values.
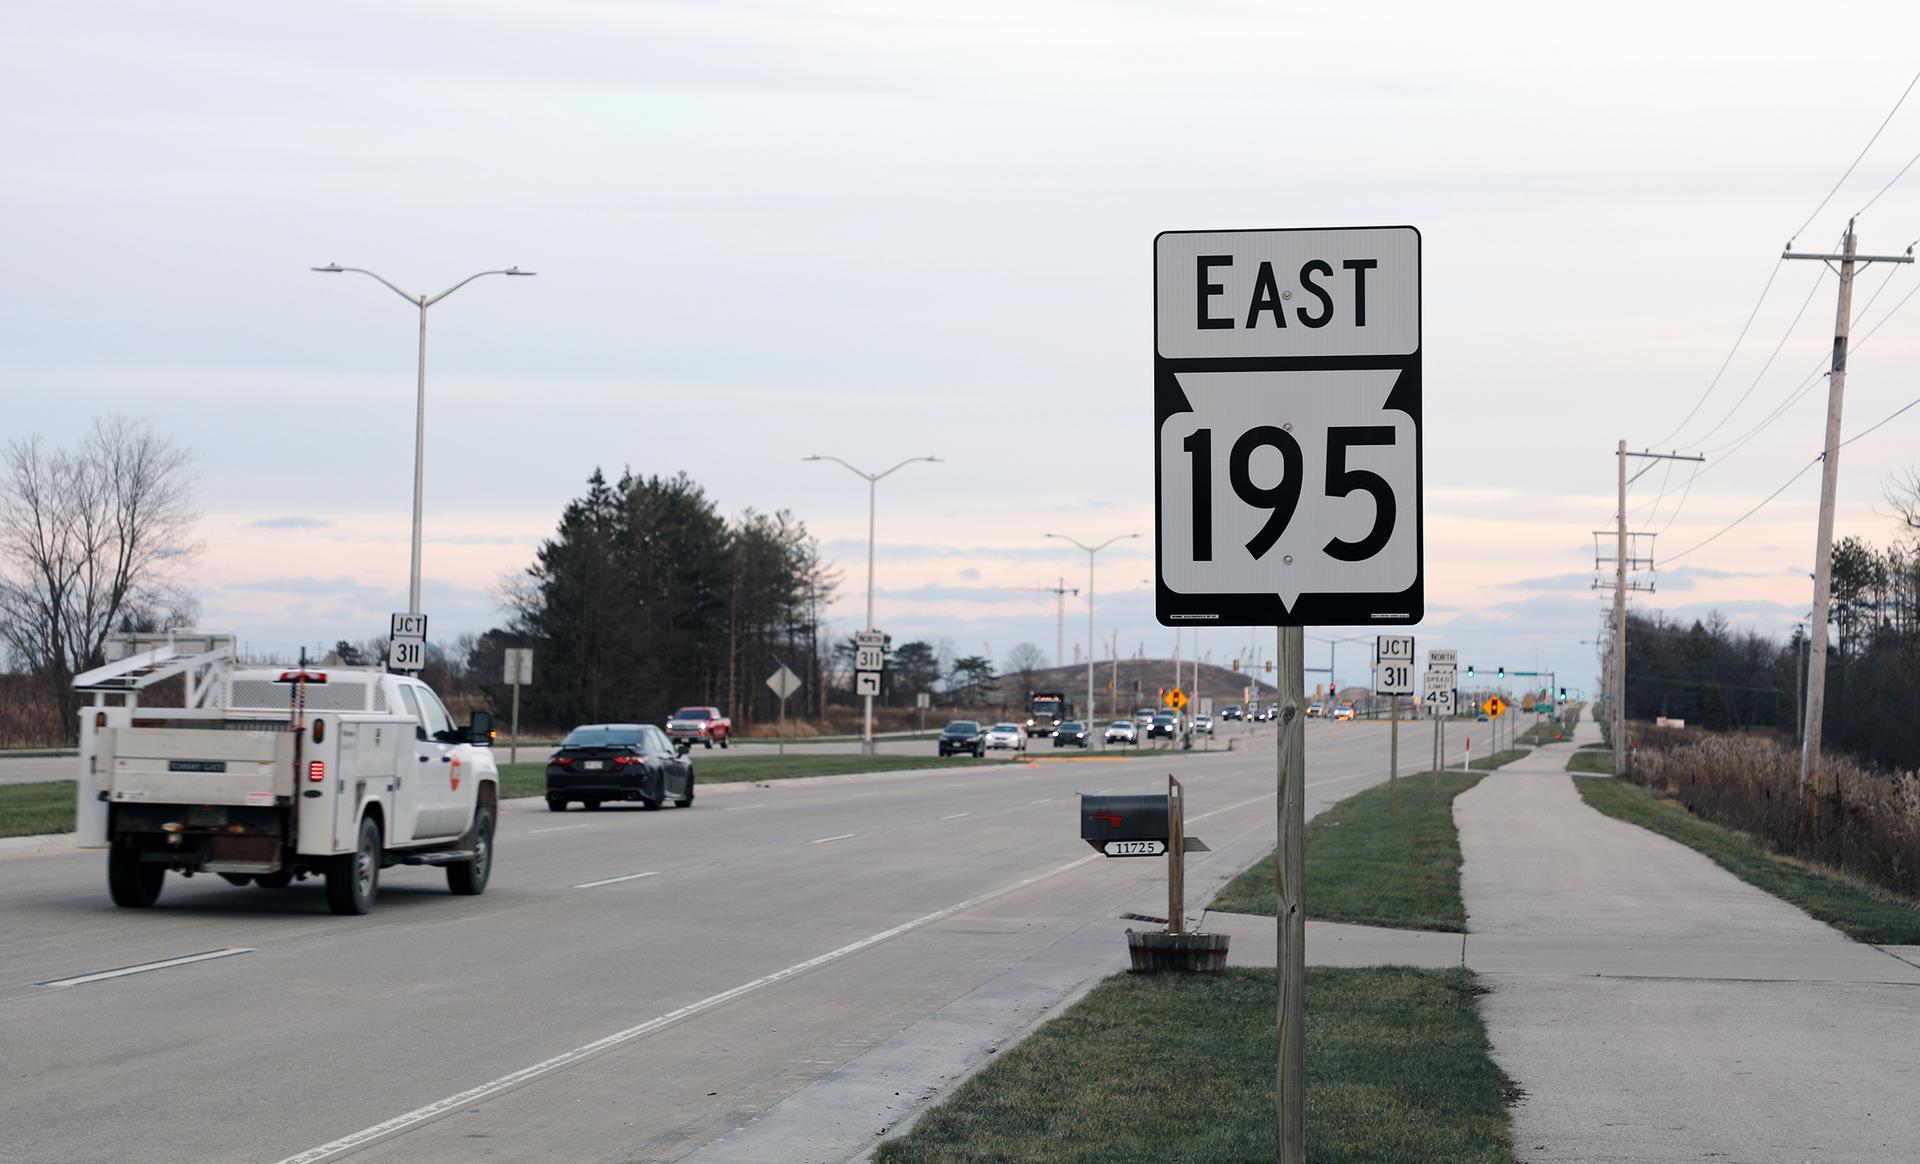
[1282, 499]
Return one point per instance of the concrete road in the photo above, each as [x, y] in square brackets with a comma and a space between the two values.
[33, 769]
[632, 986]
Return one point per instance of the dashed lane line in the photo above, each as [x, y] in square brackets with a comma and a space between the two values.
[494, 1087]
[146, 967]
[616, 880]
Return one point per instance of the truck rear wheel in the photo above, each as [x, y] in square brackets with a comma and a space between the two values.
[469, 878]
[353, 879]
[709, 742]
[133, 883]
[724, 740]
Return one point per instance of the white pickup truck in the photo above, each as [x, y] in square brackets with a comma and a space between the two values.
[265, 775]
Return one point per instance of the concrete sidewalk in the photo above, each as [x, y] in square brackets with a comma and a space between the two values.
[1654, 1007]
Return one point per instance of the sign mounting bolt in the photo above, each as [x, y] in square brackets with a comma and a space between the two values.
[1288, 559]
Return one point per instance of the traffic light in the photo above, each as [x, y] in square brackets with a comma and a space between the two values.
[1269, 664]
[1236, 665]
[1563, 695]
[1503, 673]
[1469, 670]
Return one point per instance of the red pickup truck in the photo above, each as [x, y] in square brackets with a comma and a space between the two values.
[699, 725]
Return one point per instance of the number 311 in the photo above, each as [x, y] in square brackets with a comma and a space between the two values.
[1282, 499]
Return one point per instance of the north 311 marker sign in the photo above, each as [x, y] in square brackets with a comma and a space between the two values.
[1287, 427]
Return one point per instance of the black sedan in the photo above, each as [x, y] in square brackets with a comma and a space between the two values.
[963, 735]
[1071, 734]
[618, 761]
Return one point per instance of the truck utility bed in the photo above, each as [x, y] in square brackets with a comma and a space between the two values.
[247, 763]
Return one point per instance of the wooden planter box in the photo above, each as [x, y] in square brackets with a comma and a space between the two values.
[1154, 952]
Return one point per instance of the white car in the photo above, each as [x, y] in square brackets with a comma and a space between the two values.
[1122, 731]
[1006, 735]
[1344, 711]
[1203, 724]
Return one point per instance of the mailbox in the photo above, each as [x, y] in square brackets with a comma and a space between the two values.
[1125, 826]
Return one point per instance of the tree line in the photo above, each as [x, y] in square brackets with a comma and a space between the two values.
[1712, 676]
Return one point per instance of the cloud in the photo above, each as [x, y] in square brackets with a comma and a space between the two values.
[970, 574]
[292, 521]
[1578, 580]
[309, 585]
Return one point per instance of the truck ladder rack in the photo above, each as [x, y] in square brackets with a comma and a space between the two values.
[200, 659]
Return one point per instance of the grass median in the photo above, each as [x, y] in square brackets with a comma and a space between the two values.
[1860, 911]
[1591, 761]
[1368, 868]
[34, 809]
[1173, 1068]
[518, 780]
[28, 810]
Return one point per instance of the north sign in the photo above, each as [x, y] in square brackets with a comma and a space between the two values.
[1287, 414]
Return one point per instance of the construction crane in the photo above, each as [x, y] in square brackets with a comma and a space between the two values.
[1060, 590]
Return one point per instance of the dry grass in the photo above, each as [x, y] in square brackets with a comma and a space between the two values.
[1865, 823]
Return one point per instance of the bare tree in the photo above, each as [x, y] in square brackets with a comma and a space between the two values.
[1023, 660]
[1903, 493]
[91, 541]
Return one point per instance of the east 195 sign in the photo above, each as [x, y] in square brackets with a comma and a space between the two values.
[1287, 407]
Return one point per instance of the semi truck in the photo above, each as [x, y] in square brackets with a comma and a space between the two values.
[269, 775]
[1046, 711]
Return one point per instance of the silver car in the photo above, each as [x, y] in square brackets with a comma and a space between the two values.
[1122, 731]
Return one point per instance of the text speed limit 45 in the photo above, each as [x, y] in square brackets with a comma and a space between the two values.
[1290, 483]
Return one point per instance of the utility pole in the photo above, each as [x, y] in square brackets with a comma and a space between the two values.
[1623, 561]
[1829, 480]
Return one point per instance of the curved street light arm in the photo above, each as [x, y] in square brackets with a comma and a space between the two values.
[902, 465]
[849, 468]
[336, 268]
[470, 278]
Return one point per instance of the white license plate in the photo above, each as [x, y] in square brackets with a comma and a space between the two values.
[592, 765]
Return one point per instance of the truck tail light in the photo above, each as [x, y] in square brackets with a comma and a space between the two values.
[316, 770]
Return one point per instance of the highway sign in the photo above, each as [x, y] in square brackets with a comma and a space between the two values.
[1393, 677]
[518, 667]
[1287, 413]
[1494, 706]
[1176, 699]
[406, 654]
[866, 683]
[1439, 701]
[1448, 659]
[1393, 647]
[869, 659]
[408, 626]
[872, 638]
[783, 682]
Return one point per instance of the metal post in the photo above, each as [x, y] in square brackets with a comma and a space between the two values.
[1290, 762]
[1620, 620]
[1116, 664]
[866, 732]
[783, 723]
[419, 460]
[513, 746]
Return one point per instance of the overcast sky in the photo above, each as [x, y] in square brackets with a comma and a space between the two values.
[878, 230]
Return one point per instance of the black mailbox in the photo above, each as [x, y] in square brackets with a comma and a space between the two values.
[1125, 826]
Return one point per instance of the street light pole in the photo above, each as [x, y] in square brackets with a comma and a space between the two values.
[422, 302]
[1091, 551]
[873, 482]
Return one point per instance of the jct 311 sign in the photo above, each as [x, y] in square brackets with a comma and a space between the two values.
[1287, 426]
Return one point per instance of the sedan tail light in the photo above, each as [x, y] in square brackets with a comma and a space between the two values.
[563, 761]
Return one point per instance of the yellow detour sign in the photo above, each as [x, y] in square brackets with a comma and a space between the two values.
[1495, 707]
[1176, 699]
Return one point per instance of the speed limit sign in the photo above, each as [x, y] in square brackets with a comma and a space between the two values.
[1287, 427]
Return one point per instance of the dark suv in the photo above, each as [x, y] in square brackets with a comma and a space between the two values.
[963, 735]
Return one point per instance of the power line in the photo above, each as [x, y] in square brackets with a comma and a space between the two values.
[1731, 352]
[1889, 185]
[1749, 513]
[1819, 278]
[1856, 160]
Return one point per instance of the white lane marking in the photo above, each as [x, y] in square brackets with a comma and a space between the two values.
[834, 837]
[859, 795]
[742, 807]
[616, 880]
[568, 1058]
[557, 829]
[144, 967]
[956, 816]
[1043, 800]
